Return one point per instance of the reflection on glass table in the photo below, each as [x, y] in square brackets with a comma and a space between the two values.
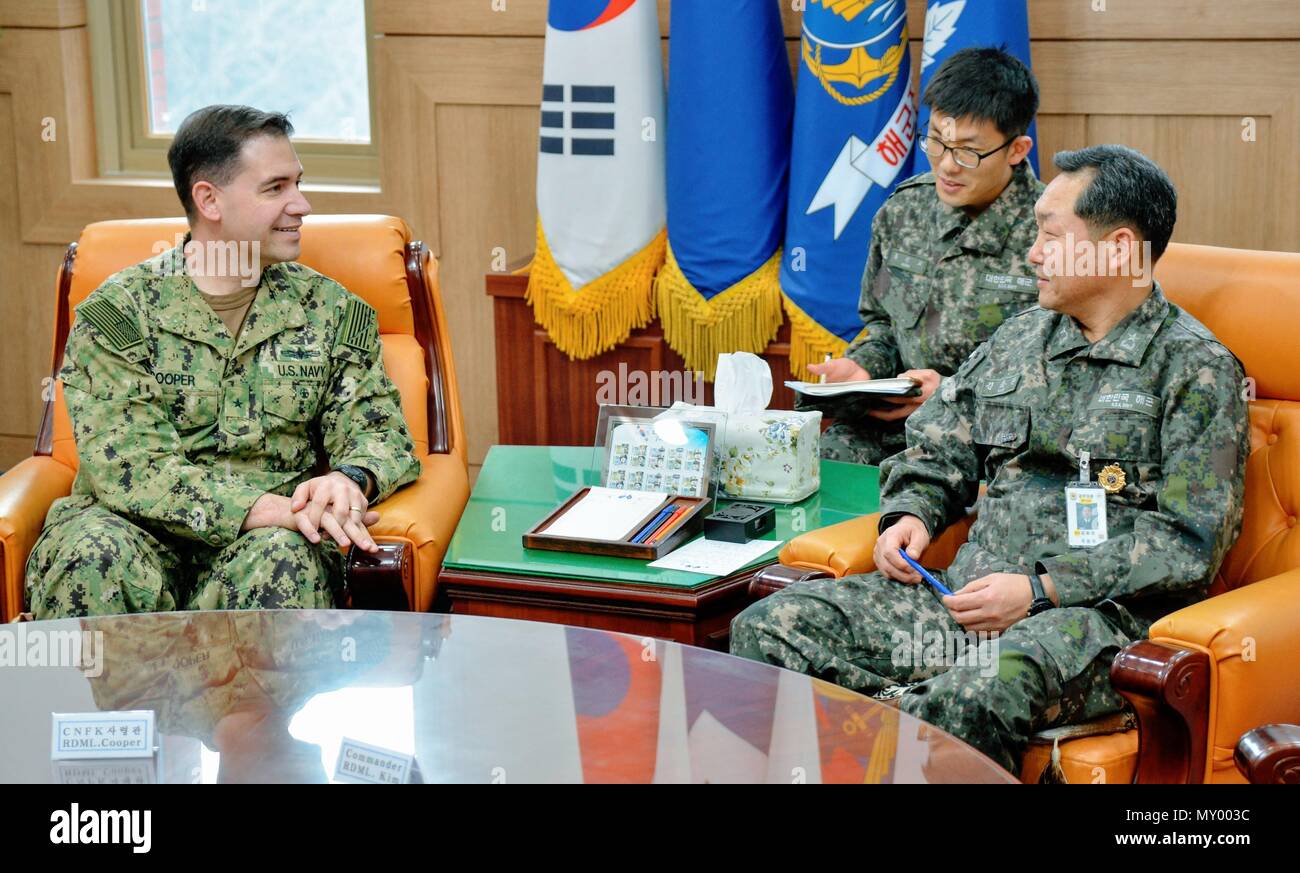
[270, 696]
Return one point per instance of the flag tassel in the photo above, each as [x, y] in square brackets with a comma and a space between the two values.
[583, 323]
[809, 341]
[743, 318]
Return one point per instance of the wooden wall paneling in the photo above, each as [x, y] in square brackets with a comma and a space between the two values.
[1182, 102]
[1226, 195]
[42, 13]
[511, 318]
[406, 134]
[34, 309]
[469, 17]
[27, 289]
[13, 449]
[1160, 20]
[486, 156]
[1058, 132]
[475, 162]
[1048, 19]
[15, 355]
[528, 17]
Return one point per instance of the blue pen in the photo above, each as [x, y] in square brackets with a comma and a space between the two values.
[938, 586]
[658, 520]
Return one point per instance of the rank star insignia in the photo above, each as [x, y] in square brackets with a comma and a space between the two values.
[1111, 478]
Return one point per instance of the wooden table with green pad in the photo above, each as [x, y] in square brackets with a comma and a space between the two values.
[488, 571]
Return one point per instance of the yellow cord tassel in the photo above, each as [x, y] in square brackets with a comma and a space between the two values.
[601, 314]
[809, 341]
[743, 318]
[1053, 773]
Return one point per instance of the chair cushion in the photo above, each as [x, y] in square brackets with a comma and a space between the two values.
[1249, 299]
[404, 361]
[1270, 537]
[1110, 758]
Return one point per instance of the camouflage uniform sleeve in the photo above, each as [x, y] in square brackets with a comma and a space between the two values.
[876, 352]
[1177, 546]
[362, 423]
[127, 446]
[937, 476]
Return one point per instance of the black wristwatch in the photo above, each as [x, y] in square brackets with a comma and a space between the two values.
[358, 475]
[1041, 602]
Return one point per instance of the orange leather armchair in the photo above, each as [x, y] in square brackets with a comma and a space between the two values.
[1214, 671]
[374, 257]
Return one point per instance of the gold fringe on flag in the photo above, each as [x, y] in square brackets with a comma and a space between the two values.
[809, 341]
[743, 318]
[883, 749]
[585, 322]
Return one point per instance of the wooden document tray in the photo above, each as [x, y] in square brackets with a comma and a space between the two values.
[687, 528]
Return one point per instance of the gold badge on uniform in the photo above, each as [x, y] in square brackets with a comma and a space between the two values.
[1111, 478]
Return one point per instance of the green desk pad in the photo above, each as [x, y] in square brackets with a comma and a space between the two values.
[518, 486]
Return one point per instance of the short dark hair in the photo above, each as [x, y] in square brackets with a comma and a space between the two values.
[987, 84]
[208, 142]
[1127, 189]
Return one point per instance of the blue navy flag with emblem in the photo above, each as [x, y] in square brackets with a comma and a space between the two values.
[854, 125]
[951, 25]
[730, 103]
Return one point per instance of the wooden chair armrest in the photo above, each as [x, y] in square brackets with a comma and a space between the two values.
[774, 577]
[1270, 755]
[1169, 689]
[380, 580]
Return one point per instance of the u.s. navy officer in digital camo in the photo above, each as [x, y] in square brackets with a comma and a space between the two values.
[947, 260]
[1107, 366]
[201, 394]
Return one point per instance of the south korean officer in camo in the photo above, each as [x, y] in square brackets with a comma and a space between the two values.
[947, 259]
[1112, 430]
[201, 396]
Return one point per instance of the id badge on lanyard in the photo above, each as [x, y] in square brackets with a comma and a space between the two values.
[1085, 508]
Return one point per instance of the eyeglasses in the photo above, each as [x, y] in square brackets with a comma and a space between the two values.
[968, 158]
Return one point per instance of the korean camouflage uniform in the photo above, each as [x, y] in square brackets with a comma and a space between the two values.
[180, 429]
[936, 285]
[1160, 398]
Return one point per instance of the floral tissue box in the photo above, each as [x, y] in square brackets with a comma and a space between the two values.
[771, 455]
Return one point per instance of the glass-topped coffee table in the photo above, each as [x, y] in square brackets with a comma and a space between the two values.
[283, 695]
[487, 570]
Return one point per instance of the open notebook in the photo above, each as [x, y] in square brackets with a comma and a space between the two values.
[606, 514]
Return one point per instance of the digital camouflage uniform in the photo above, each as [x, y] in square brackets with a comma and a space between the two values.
[180, 429]
[936, 285]
[1159, 397]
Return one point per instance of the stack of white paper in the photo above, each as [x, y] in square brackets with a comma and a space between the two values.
[715, 557]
